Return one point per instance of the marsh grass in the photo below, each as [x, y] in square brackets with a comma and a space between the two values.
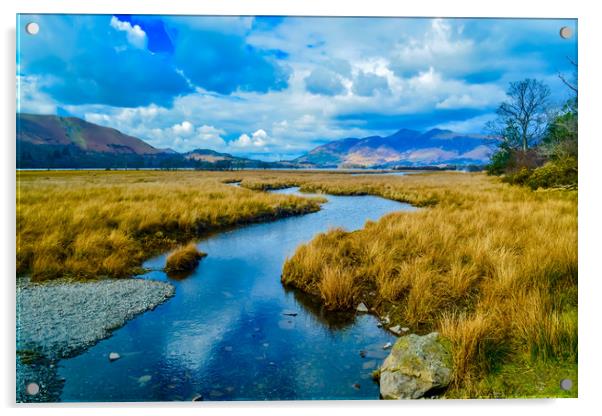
[88, 224]
[183, 259]
[492, 267]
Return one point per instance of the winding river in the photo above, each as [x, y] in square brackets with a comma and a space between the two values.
[233, 332]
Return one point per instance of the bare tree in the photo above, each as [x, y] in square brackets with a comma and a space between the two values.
[571, 84]
[522, 118]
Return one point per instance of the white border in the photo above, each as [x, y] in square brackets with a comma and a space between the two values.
[590, 72]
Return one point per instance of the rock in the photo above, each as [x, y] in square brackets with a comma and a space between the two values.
[362, 353]
[416, 365]
[113, 356]
[395, 329]
[386, 320]
[379, 325]
[387, 346]
[290, 313]
[356, 386]
[198, 398]
[405, 329]
[362, 308]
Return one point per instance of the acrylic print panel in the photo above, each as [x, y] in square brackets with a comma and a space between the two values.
[277, 208]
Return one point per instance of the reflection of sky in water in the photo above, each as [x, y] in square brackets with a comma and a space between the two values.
[225, 334]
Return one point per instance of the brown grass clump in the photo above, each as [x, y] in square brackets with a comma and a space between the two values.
[183, 259]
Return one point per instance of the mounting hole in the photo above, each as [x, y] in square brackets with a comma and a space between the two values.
[32, 28]
[566, 32]
[32, 389]
[566, 384]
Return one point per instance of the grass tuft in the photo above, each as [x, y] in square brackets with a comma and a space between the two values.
[183, 259]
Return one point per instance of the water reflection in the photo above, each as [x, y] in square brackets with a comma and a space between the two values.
[333, 320]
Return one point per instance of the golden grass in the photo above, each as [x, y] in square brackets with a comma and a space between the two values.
[91, 224]
[491, 266]
[183, 258]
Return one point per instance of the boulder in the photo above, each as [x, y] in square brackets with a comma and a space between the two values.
[416, 365]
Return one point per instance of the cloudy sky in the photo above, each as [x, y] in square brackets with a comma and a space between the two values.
[273, 87]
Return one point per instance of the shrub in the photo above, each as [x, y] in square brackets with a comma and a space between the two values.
[499, 162]
[554, 173]
[183, 259]
[519, 177]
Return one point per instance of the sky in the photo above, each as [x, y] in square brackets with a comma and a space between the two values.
[275, 87]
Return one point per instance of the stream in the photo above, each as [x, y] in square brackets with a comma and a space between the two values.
[233, 332]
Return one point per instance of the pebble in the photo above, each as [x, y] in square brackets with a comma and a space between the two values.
[198, 398]
[395, 329]
[362, 353]
[356, 386]
[113, 356]
[362, 308]
[387, 346]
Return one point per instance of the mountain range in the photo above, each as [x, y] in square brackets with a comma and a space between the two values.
[403, 148]
[49, 141]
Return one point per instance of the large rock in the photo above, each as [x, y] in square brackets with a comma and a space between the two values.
[416, 365]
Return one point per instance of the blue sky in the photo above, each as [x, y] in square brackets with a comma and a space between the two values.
[275, 87]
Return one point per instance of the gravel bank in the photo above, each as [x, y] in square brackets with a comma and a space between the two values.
[60, 319]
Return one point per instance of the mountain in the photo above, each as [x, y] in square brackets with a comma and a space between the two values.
[403, 148]
[48, 141]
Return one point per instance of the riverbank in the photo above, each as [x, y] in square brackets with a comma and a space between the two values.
[60, 319]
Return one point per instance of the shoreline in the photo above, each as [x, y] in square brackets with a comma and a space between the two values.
[88, 312]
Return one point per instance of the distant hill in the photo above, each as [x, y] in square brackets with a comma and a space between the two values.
[48, 141]
[403, 148]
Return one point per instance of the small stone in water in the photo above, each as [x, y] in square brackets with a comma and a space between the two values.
[362, 308]
[387, 346]
[356, 386]
[379, 325]
[395, 329]
[362, 353]
[114, 356]
[144, 379]
[198, 398]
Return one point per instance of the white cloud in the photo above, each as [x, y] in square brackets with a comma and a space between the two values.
[474, 124]
[30, 98]
[135, 35]
[185, 128]
[258, 139]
